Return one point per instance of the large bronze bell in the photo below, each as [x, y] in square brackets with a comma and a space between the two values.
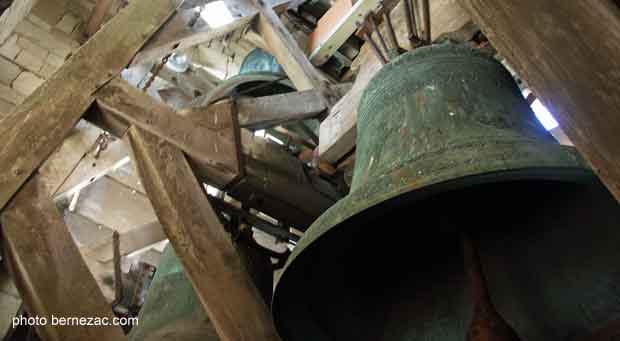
[448, 147]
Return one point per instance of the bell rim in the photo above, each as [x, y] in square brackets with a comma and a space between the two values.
[571, 170]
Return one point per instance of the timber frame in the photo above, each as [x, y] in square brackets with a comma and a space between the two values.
[171, 150]
[167, 149]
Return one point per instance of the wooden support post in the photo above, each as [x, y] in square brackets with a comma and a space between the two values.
[569, 53]
[48, 270]
[222, 285]
[39, 125]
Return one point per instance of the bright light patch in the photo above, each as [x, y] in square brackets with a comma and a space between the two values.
[212, 190]
[274, 139]
[216, 14]
[543, 115]
[260, 133]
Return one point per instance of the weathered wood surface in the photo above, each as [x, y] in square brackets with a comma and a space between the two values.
[569, 54]
[269, 111]
[92, 167]
[336, 26]
[338, 131]
[97, 16]
[178, 35]
[274, 182]
[210, 144]
[209, 258]
[70, 153]
[39, 125]
[289, 55]
[48, 269]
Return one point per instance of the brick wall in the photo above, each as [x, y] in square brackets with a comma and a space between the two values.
[38, 46]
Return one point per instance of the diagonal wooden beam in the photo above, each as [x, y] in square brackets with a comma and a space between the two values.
[289, 55]
[185, 30]
[224, 288]
[210, 144]
[568, 52]
[34, 130]
[48, 270]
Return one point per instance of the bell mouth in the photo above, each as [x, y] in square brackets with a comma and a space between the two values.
[389, 270]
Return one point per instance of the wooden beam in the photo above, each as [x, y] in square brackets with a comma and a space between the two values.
[568, 52]
[289, 55]
[269, 111]
[97, 16]
[194, 82]
[71, 152]
[92, 167]
[336, 26]
[178, 34]
[205, 143]
[39, 125]
[48, 269]
[224, 288]
[339, 130]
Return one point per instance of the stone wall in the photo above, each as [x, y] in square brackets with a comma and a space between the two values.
[38, 45]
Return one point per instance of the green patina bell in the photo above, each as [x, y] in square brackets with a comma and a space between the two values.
[446, 146]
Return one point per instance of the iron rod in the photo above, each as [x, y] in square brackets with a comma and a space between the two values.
[390, 30]
[410, 21]
[427, 21]
[375, 28]
[118, 274]
[375, 48]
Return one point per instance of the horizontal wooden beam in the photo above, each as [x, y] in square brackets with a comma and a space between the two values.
[39, 125]
[49, 271]
[209, 259]
[338, 131]
[568, 53]
[269, 111]
[206, 143]
[178, 34]
[275, 182]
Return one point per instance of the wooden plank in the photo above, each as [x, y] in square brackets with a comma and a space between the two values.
[269, 111]
[130, 241]
[69, 154]
[224, 288]
[178, 35]
[339, 130]
[48, 269]
[92, 167]
[212, 145]
[38, 126]
[336, 26]
[275, 182]
[569, 54]
[289, 55]
[97, 16]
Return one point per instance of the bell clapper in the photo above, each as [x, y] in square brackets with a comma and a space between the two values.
[486, 324]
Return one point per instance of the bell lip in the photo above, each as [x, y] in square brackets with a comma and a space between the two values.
[576, 174]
